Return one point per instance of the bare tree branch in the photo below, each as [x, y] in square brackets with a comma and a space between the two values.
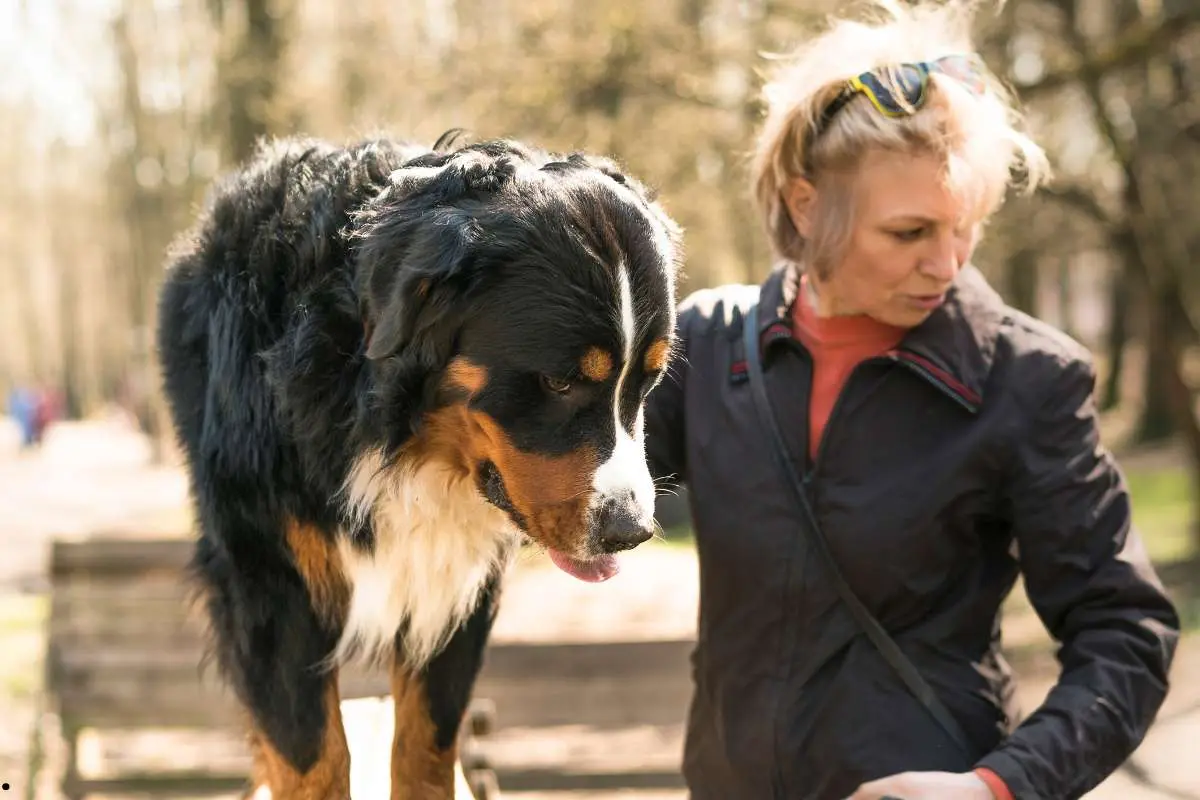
[1134, 46]
[1080, 199]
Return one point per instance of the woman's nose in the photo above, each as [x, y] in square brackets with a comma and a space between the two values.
[944, 258]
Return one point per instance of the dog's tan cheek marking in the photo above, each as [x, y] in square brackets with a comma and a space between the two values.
[328, 779]
[656, 356]
[552, 493]
[596, 364]
[419, 768]
[319, 564]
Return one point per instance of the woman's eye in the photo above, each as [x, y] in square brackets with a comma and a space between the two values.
[556, 385]
[909, 234]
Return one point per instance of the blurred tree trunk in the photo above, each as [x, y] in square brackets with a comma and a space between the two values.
[748, 236]
[1166, 411]
[750, 242]
[354, 30]
[136, 181]
[1171, 402]
[1022, 280]
[21, 253]
[1117, 338]
[250, 71]
[63, 248]
[20, 285]
[1065, 294]
[1156, 421]
[1161, 257]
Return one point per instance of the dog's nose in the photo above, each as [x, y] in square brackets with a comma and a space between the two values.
[621, 527]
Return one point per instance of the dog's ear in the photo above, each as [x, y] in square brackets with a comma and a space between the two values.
[415, 254]
[412, 285]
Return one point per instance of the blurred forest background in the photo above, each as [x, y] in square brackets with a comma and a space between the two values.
[115, 115]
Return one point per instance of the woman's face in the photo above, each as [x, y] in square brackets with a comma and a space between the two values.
[909, 239]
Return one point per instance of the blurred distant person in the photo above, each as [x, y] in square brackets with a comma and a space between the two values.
[22, 407]
[48, 408]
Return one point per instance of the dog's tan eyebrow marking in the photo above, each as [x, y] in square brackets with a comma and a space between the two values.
[655, 359]
[596, 364]
[470, 376]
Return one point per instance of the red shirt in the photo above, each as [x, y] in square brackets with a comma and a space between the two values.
[837, 345]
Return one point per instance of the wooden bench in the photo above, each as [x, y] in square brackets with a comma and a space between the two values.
[123, 654]
[125, 651]
[623, 704]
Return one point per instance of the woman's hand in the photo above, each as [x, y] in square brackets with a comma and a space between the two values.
[925, 786]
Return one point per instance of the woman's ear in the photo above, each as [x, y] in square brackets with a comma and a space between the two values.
[800, 196]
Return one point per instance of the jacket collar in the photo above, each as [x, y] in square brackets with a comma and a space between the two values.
[955, 346]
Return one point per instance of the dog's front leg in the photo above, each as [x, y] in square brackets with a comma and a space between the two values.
[325, 776]
[430, 705]
[421, 766]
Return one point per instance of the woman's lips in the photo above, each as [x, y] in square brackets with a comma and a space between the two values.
[927, 302]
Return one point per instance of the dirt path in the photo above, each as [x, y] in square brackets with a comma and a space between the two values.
[87, 478]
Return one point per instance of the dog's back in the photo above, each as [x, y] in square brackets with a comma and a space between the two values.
[268, 242]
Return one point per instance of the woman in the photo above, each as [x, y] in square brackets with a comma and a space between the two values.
[944, 442]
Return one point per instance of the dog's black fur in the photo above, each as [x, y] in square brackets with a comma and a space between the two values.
[315, 314]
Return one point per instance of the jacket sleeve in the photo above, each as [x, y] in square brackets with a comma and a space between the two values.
[666, 435]
[1092, 584]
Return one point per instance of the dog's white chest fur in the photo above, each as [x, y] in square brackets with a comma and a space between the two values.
[436, 544]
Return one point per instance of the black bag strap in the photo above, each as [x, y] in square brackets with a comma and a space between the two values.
[875, 632]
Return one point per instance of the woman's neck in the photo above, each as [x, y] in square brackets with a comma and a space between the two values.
[821, 299]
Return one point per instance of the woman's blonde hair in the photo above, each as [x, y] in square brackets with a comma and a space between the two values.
[975, 136]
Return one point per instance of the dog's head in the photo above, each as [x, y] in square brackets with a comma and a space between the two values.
[519, 308]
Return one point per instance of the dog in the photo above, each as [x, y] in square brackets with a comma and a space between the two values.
[389, 366]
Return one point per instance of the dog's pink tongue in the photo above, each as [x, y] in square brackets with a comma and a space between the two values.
[595, 570]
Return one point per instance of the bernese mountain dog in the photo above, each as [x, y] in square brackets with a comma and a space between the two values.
[388, 366]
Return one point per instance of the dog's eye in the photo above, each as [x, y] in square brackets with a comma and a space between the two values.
[556, 385]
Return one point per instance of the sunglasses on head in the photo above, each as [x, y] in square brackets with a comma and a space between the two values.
[899, 90]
